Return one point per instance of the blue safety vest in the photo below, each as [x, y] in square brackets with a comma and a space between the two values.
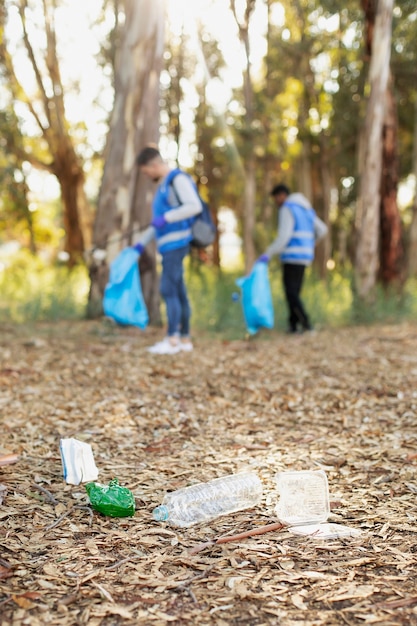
[300, 248]
[177, 234]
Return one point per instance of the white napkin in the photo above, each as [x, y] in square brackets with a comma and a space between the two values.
[77, 461]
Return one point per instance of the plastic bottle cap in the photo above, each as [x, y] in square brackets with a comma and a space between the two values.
[160, 513]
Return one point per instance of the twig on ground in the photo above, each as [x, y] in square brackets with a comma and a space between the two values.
[228, 538]
[64, 515]
[186, 583]
[7, 459]
[191, 594]
[128, 559]
[47, 493]
[59, 520]
[396, 604]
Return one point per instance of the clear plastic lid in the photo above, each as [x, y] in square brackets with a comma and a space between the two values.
[326, 531]
[303, 497]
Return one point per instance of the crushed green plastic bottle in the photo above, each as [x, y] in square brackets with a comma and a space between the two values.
[111, 499]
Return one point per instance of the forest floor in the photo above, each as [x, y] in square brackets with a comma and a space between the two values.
[344, 401]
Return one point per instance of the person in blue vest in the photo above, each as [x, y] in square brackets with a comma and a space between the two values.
[299, 229]
[174, 207]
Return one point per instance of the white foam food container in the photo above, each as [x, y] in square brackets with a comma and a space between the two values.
[304, 505]
[303, 497]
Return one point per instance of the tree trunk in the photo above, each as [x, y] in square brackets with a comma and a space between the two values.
[391, 270]
[249, 212]
[324, 250]
[366, 263]
[124, 206]
[74, 240]
[304, 170]
[56, 153]
[269, 161]
[412, 245]
[76, 211]
[249, 196]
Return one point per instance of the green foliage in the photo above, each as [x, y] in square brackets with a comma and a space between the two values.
[388, 306]
[213, 309]
[32, 290]
[15, 215]
[330, 302]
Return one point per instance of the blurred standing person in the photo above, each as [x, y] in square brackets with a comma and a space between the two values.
[174, 206]
[299, 229]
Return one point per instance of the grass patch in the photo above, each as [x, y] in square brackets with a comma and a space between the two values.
[216, 310]
[387, 306]
[32, 290]
[330, 302]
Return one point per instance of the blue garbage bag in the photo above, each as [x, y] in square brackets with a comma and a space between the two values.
[258, 309]
[123, 298]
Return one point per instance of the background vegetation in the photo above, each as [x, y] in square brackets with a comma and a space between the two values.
[297, 114]
[34, 290]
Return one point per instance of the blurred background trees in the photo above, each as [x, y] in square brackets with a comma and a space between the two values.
[290, 103]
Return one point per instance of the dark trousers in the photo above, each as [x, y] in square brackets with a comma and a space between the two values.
[293, 275]
[174, 292]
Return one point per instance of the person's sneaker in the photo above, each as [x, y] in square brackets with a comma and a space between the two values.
[310, 331]
[292, 331]
[166, 346]
[186, 346]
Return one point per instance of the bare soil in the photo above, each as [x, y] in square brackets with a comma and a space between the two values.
[341, 400]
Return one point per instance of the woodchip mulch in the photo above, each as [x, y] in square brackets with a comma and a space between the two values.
[342, 400]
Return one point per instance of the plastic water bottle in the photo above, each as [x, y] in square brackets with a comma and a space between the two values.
[206, 501]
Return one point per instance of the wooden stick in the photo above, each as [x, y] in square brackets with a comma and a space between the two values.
[396, 604]
[7, 459]
[47, 493]
[186, 583]
[228, 538]
[64, 515]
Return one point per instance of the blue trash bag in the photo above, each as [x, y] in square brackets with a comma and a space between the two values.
[258, 309]
[123, 299]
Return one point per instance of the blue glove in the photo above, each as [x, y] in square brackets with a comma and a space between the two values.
[139, 248]
[264, 258]
[158, 222]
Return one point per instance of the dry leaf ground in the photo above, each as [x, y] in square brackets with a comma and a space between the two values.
[343, 400]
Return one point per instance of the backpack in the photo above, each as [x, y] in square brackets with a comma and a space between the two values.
[203, 229]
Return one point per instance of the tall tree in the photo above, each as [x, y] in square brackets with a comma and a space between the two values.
[412, 255]
[369, 201]
[55, 150]
[391, 256]
[249, 199]
[124, 199]
[390, 248]
[404, 69]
